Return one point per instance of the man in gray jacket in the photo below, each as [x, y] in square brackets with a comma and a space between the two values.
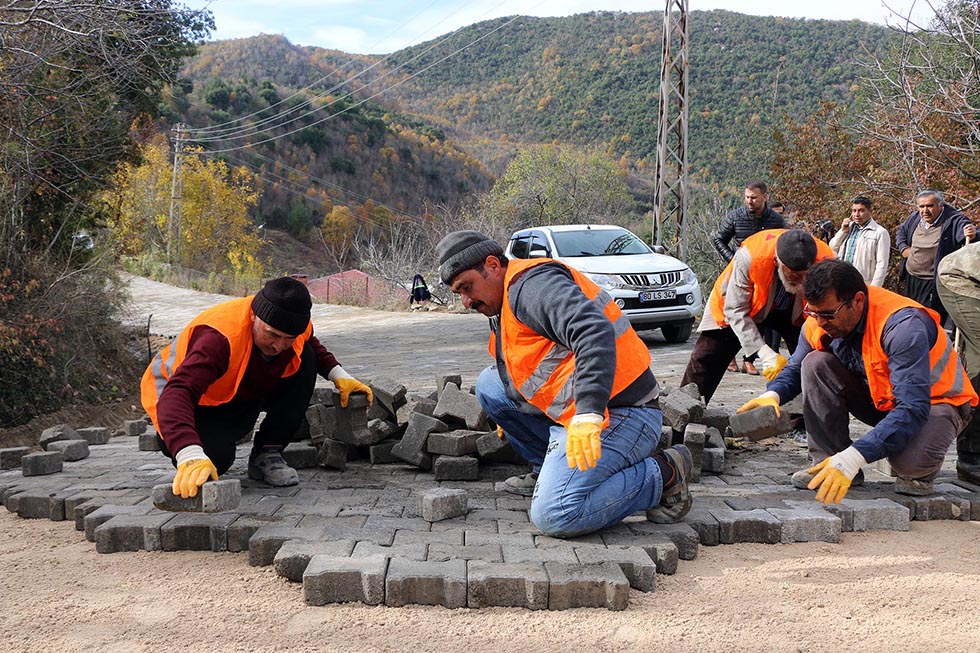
[863, 243]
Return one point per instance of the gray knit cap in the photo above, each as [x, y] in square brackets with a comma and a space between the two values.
[462, 250]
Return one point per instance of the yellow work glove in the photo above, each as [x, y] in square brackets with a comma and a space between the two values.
[583, 445]
[765, 399]
[192, 472]
[772, 362]
[834, 475]
[500, 432]
[347, 384]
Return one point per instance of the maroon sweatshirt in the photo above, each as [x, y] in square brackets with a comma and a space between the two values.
[207, 361]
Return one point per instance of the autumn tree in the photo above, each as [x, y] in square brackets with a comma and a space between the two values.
[214, 233]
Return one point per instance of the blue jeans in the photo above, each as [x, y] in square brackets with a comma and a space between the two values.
[567, 502]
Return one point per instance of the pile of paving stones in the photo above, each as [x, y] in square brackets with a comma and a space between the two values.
[418, 530]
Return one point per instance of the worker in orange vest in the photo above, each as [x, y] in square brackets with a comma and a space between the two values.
[883, 358]
[204, 391]
[571, 389]
[762, 285]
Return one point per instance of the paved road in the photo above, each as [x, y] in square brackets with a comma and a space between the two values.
[410, 347]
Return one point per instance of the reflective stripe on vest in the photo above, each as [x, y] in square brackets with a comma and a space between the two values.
[543, 370]
[762, 248]
[947, 379]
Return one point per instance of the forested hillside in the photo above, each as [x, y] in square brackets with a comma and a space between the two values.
[317, 149]
[408, 131]
[595, 78]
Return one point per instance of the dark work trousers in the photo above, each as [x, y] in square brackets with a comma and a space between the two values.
[924, 292]
[831, 393]
[221, 427]
[715, 349]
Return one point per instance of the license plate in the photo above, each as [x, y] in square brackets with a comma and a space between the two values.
[657, 295]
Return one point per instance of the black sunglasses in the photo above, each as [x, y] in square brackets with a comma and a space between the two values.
[826, 315]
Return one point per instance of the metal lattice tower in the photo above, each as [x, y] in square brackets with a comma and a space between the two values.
[671, 190]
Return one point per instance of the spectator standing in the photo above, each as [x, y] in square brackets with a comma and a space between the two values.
[934, 230]
[863, 243]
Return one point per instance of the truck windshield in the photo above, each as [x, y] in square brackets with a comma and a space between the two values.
[598, 242]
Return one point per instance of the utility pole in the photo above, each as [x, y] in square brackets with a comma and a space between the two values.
[176, 192]
[671, 189]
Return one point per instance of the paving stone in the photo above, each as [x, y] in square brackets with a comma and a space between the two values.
[452, 537]
[426, 583]
[759, 423]
[294, 556]
[106, 497]
[38, 504]
[332, 454]
[807, 524]
[457, 406]
[10, 458]
[149, 442]
[131, 533]
[100, 515]
[384, 429]
[334, 579]
[380, 454]
[639, 568]
[415, 404]
[57, 433]
[695, 437]
[409, 551]
[352, 421]
[933, 507]
[454, 443]
[213, 496]
[735, 526]
[456, 468]
[487, 552]
[388, 394]
[713, 460]
[300, 455]
[492, 449]
[506, 585]
[519, 554]
[322, 422]
[442, 503]
[586, 586]
[704, 524]
[442, 380]
[94, 435]
[658, 546]
[412, 447]
[473, 537]
[242, 529]
[197, 532]
[716, 417]
[681, 409]
[875, 514]
[134, 427]
[264, 543]
[42, 463]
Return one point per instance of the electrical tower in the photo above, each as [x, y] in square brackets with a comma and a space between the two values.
[671, 184]
[176, 193]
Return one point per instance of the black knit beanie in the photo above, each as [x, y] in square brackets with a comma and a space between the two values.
[796, 249]
[284, 304]
[462, 250]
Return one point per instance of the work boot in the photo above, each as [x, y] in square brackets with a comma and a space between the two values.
[522, 485]
[802, 478]
[269, 467]
[913, 487]
[968, 467]
[676, 500]
[749, 368]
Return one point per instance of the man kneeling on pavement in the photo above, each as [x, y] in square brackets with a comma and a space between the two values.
[571, 388]
[205, 390]
[883, 358]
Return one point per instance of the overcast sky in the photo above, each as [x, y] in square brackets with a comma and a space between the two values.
[382, 26]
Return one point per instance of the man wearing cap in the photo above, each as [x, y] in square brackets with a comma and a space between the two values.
[571, 388]
[761, 286]
[204, 391]
[883, 358]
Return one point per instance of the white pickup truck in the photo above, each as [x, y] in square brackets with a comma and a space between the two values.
[654, 290]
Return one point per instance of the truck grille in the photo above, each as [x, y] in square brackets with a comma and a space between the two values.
[648, 281]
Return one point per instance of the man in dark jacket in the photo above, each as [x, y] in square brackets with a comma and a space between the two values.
[924, 239]
[738, 225]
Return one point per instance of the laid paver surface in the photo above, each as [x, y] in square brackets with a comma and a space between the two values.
[359, 533]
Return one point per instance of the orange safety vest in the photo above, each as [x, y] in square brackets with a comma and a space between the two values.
[542, 369]
[762, 247]
[233, 320]
[950, 384]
